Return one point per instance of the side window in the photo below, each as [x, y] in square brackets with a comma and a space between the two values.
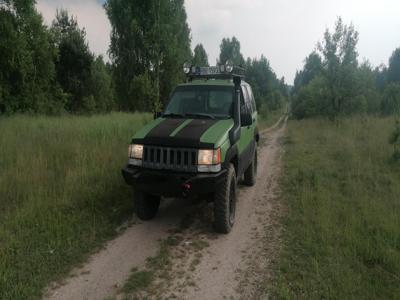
[247, 98]
[242, 101]
[253, 102]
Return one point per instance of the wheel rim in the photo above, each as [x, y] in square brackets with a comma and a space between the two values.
[232, 203]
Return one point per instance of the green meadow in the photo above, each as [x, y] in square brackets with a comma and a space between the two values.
[341, 187]
[61, 194]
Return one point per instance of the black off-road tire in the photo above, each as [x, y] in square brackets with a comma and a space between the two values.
[250, 175]
[146, 205]
[225, 202]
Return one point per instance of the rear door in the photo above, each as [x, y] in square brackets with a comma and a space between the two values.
[253, 106]
[246, 143]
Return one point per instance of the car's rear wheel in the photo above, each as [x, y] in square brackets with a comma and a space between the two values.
[250, 175]
[225, 202]
[146, 205]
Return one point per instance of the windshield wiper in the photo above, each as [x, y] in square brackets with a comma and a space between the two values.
[173, 115]
[199, 115]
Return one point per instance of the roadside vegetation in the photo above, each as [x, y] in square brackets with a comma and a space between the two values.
[150, 41]
[341, 187]
[341, 179]
[334, 83]
[62, 194]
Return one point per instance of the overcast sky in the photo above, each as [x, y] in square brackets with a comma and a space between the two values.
[285, 31]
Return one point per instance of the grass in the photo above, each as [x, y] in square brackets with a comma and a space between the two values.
[342, 189]
[138, 280]
[61, 194]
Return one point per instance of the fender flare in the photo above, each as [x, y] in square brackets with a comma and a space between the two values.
[231, 154]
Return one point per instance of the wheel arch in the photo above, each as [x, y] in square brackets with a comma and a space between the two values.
[232, 157]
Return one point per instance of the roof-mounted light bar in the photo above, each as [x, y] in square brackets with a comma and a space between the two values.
[226, 71]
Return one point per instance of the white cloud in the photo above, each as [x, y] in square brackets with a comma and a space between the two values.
[90, 14]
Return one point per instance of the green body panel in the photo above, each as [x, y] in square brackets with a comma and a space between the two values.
[246, 135]
[146, 129]
[218, 133]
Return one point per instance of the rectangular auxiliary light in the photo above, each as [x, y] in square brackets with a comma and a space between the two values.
[207, 70]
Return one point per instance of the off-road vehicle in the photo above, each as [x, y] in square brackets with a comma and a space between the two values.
[200, 145]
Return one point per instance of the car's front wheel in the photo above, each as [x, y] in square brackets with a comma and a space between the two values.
[225, 202]
[146, 205]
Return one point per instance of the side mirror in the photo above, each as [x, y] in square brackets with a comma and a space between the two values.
[157, 114]
[245, 119]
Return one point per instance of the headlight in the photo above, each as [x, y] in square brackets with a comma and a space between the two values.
[209, 157]
[136, 151]
[209, 160]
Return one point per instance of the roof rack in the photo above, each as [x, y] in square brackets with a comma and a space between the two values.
[227, 71]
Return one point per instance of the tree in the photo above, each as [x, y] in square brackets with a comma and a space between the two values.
[230, 51]
[311, 69]
[340, 65]
[26, 60]
[150, 41]
[311, 100]
[101, 86]
[381, 77]
[391, 99]
[369, 98]
[200, 57]
[74, 61]
[393, 74]
[268, 90]
[395, 141]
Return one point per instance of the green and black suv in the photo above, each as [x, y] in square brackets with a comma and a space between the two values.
[202, 144]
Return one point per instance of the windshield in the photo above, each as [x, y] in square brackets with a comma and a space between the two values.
[201, 101]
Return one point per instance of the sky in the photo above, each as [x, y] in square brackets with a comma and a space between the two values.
[285, 31]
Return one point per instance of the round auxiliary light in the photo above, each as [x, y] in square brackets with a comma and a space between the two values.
[229, 66]
[186, 68]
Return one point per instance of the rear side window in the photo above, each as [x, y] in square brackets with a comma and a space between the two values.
[247, 98]
[252, 100]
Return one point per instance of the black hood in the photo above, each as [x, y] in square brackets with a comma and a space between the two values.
[189, 136]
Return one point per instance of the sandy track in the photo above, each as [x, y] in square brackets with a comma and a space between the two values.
[107, 270]
[236, 266]
[232, 266]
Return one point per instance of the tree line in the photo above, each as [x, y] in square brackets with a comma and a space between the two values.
[51, 69]
[334, 83]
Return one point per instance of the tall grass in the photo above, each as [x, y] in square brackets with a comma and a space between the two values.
[342, 189]
[61, 194]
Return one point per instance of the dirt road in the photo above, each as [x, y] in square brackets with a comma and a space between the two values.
[202, 264]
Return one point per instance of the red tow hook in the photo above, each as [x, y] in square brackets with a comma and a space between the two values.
[187, 187]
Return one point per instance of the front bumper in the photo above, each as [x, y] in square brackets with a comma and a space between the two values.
[171, 184]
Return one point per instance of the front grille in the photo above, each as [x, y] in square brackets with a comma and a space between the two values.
[177, 159]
